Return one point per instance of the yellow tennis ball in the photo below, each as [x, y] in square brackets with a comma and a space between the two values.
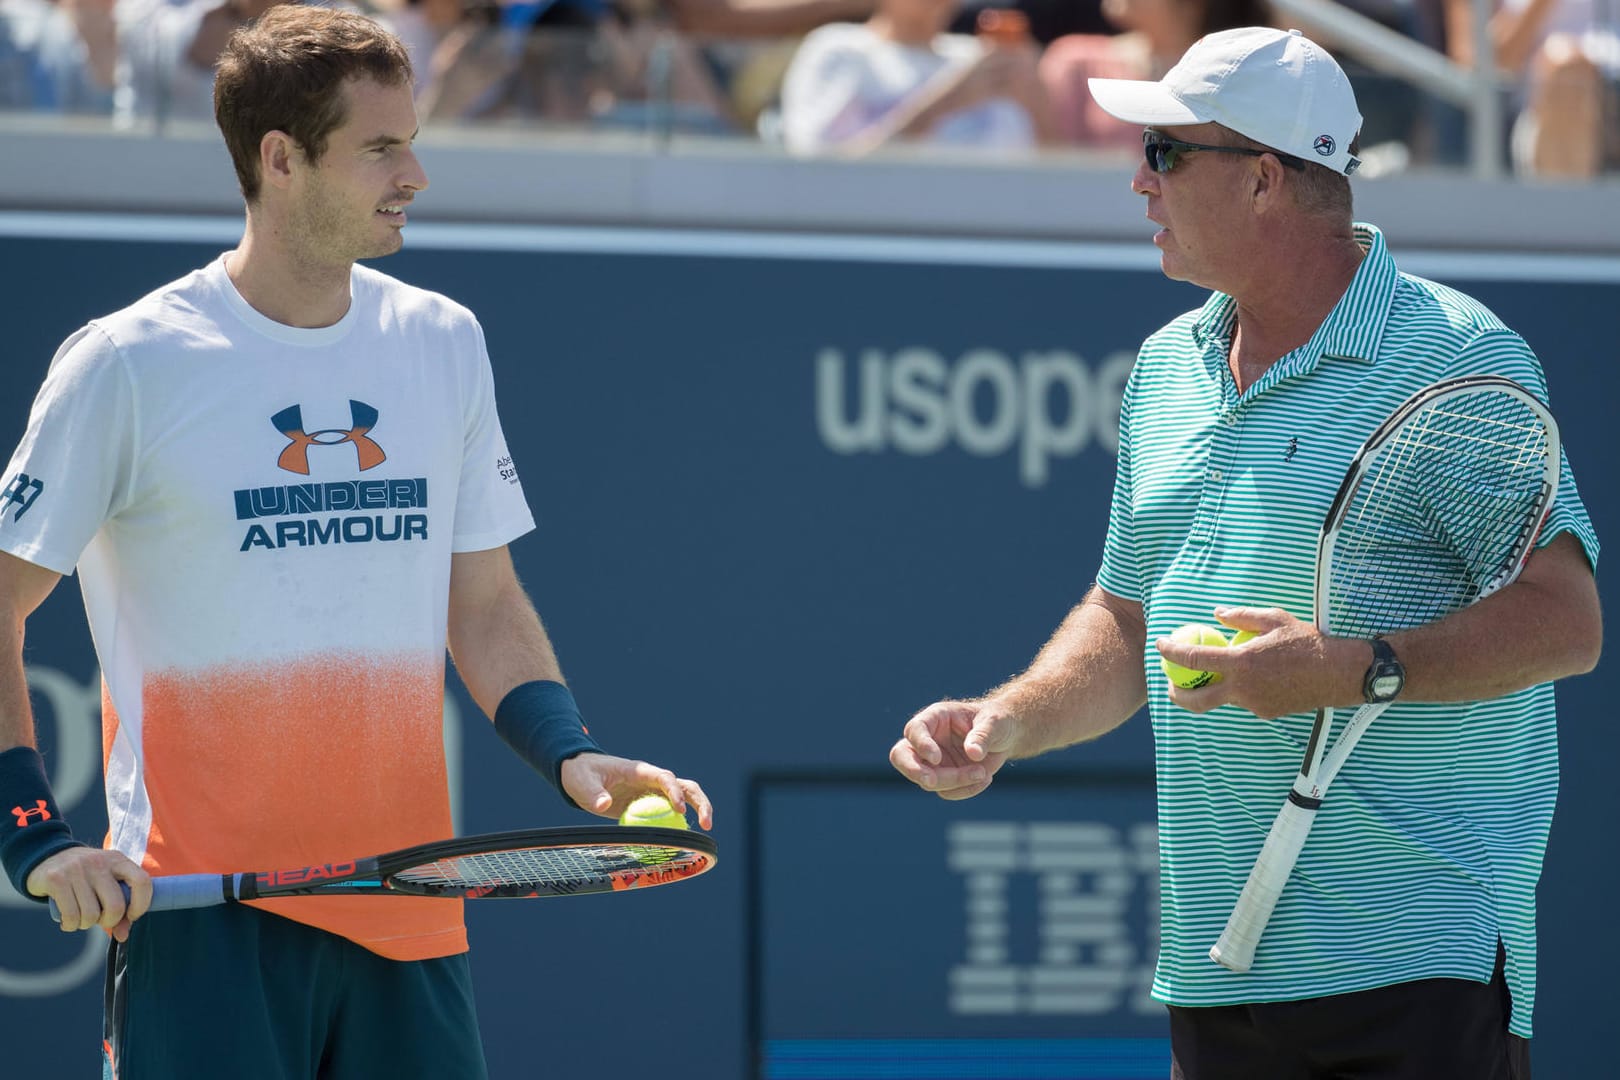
[655, 811]
[1192, 634]
[1244, 635]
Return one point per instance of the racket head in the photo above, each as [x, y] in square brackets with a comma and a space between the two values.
[549, 862]
[1441, 507]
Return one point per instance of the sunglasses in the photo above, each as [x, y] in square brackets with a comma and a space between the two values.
[1162, 151]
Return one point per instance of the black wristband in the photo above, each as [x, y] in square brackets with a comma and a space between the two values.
[32, 829]
[541, 721]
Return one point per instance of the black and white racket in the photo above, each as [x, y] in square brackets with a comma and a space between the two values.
[530, 862]
[1441, 507]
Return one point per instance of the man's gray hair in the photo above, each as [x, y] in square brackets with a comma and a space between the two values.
[1317, 189]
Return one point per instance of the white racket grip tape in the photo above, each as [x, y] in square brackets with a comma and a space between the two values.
[175, 892]
[1235, 949]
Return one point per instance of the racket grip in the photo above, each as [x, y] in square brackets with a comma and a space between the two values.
[56, 912]
[1235, 948]
[174, 892]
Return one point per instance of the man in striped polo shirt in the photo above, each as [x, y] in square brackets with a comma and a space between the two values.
[1403, 947]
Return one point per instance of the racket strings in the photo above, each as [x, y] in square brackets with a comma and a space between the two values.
[1441, 516]
[1513, 435]
[547, 868]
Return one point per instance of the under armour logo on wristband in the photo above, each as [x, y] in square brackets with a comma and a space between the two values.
[39, 810]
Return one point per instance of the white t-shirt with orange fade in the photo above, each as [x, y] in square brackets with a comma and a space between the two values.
[262, 519]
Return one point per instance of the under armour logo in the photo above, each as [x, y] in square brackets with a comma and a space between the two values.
[24, 817]
[1293, 448]
[21, 493]
[295, 456]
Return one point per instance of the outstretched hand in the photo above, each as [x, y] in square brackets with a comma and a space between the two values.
[954, 748]
[605, 785]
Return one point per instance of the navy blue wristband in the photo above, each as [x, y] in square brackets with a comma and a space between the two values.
[32, 829]
[541, 721]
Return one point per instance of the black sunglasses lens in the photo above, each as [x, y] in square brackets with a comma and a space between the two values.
[1160, 154]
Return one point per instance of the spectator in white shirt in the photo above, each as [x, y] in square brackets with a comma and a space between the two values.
[899, 77]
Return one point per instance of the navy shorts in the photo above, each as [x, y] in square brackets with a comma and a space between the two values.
[1431, 1029]
[233, 991]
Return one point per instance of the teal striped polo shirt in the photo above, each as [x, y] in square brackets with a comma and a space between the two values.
[1428, 847]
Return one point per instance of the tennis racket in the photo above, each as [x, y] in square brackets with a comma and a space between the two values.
[1441, 507]
[526, 863]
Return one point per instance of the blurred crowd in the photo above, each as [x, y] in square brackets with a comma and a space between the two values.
[839, 76]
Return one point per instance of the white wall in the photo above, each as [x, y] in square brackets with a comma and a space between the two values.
[504, 176]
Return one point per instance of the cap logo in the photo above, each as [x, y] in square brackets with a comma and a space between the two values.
[1324, 145]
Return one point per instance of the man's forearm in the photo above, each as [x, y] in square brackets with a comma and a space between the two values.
[1545, 626]
[19, 601]
[504, 647]
[1086, 681]
[16, 715]
[23, 587]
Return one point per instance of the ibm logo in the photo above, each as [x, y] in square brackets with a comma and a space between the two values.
[1089, 879]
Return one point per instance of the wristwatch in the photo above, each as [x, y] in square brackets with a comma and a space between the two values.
[1385, 676]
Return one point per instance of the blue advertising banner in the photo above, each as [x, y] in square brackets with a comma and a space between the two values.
[977, 941]
[790, 490]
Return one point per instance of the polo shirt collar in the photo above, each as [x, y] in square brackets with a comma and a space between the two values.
[1352, 330]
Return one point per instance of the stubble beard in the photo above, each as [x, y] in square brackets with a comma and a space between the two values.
[329, 234]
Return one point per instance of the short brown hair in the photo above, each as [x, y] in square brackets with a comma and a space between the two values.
[285, 72]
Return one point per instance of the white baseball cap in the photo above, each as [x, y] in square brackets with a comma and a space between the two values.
[1278, 87]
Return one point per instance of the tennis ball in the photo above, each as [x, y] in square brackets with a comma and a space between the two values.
[1244, 635]
[1192, 634]
[655, 811]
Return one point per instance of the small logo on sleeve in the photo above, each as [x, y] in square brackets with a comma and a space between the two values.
[295, 455]
[40, 811]
[21, 493]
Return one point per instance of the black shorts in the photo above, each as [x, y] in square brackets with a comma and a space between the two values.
[233, 991]
[1431, 1029]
